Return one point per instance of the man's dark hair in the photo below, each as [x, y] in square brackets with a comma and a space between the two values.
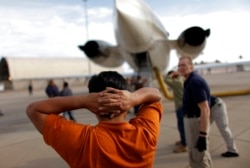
[98, 83]
[65, 84]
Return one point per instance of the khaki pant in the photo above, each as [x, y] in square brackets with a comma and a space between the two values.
[219, 115]
[196, 159]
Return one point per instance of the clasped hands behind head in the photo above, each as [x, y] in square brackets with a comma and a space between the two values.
[112, 102]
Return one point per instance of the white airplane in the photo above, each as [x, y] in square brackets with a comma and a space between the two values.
[142, 41]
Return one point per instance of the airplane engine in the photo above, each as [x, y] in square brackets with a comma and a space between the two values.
[103, 53]
[192, 41]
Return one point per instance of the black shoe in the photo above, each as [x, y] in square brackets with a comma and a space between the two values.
[230, 154]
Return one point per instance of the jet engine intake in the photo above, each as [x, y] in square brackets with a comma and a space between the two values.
[103, 53]
[192, 41]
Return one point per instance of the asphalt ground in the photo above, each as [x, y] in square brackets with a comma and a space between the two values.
[21, 146]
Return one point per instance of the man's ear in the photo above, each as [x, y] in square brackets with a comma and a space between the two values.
[192, 67]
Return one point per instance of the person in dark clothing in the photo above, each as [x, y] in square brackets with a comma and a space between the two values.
[30, 88]
[196, 110]
[66, 91]
[51, 89]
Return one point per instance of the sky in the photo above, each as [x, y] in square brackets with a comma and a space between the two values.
[53, 28]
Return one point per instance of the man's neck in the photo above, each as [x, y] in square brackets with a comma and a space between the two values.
[120, 118]
[112, 120]
[187, 75]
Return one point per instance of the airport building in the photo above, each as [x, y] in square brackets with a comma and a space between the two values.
[17, 73]
[218, 68]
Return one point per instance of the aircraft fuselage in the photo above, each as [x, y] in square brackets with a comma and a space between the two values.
[136, 26]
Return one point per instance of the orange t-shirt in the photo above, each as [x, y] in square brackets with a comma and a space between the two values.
[126, 144]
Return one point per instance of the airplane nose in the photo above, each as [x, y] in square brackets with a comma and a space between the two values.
[136, 26]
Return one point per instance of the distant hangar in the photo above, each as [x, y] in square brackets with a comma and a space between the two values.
[18, 72]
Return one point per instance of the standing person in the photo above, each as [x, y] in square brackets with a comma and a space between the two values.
[218, 112]
[130, 84]
[66, 91]
[138, 83]
[175, 81]
[219, 115]
[196, 100]
[113, 142]
[1, 113]
[51, 89]
[130, 89]
[30, 88]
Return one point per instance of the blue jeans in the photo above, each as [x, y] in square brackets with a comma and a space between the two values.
[180, 124]
[70, 114]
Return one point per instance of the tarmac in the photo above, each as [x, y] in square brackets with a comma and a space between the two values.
[21, 146]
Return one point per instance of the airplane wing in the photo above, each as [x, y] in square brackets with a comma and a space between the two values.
[207, 66]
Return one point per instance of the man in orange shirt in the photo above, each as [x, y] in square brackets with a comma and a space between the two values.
[113, 142]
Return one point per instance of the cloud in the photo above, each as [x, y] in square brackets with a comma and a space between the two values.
[54, 31]
[57, 30]
[229, 32]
